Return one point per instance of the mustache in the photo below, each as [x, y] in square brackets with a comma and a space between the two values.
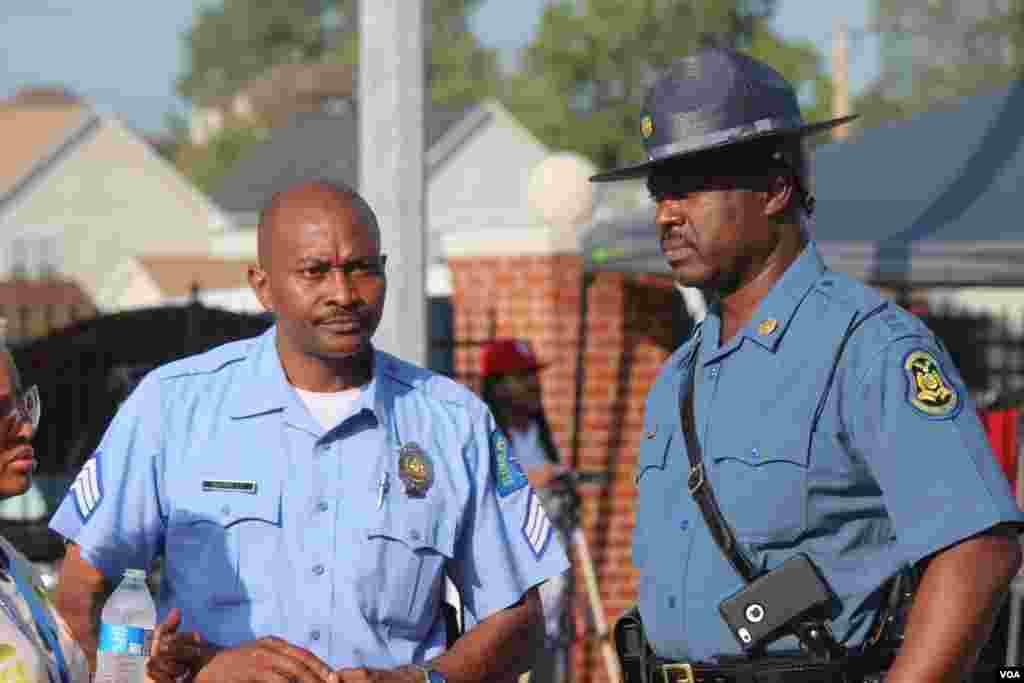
[355, 315]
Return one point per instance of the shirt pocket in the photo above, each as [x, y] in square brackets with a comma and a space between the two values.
[222, 548]
[401, 565]
[761, 487]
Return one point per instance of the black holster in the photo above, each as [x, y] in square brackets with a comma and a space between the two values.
[635, 655]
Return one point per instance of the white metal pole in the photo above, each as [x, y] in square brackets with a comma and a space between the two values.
[391, 87]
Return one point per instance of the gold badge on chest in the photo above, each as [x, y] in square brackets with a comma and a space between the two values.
[415, 469]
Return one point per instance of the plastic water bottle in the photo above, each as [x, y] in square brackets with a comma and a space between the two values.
[126, 631]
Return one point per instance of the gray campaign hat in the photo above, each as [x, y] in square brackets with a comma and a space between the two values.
[714, 98]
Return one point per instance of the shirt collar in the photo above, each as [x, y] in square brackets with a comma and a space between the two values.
[773, 315]
[275, 393]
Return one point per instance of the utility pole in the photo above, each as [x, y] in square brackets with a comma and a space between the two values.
[840, 77]
[391, 88]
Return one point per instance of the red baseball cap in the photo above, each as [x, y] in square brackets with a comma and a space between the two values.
[501, 356]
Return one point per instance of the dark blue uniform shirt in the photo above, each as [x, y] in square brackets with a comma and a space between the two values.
[896, 467]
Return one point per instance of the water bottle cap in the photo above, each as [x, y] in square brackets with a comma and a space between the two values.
[135, 574]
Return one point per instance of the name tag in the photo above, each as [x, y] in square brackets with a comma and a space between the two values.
[229, 486]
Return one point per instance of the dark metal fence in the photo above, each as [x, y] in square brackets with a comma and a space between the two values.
[443, 344]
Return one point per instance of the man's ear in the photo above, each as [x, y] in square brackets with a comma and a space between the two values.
[260, 285]
[779, 195]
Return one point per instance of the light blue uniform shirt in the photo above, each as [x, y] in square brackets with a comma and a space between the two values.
[896, 467]
[271, 526]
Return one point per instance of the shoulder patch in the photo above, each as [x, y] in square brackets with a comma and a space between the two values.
[508, 474]
[88, 487]
[928, 389]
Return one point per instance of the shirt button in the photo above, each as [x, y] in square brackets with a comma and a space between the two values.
[315, 634]
[414, 535]
[318, 569]
[322, 506]
[713, 372]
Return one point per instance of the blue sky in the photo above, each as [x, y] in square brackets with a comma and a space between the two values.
[125, 55]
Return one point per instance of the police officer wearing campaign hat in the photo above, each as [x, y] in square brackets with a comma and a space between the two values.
[309, 493]
[825, 425]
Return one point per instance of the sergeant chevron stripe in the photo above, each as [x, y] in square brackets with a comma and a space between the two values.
[536, 525]
[87, 488]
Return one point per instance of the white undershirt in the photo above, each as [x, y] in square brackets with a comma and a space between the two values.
[330, 408]
[527, 446]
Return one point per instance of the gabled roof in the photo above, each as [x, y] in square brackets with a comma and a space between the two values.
[175, 276]
[34, 136]
[325, 146]
[287, 88]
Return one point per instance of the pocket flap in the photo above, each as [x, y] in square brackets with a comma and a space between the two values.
[229, 507]
[654, 445]
[417, 531]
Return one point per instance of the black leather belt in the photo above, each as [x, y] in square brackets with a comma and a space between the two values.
[766, 670]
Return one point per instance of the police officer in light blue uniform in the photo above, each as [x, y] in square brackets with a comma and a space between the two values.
[868, 470]
[308, 493]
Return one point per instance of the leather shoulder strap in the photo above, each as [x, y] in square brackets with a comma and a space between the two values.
[700, 487]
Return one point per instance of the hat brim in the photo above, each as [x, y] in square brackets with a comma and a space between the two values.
[642, 169]
[529, 368]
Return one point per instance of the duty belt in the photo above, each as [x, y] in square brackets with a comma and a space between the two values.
[764, 670]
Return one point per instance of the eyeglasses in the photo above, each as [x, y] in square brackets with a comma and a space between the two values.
[27, 409]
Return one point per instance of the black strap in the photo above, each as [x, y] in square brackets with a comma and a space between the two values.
[815, 635]
[700, 487]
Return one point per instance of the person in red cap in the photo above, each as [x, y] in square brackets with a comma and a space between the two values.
[510, 386]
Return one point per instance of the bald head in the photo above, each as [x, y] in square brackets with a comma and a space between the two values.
[311, 199]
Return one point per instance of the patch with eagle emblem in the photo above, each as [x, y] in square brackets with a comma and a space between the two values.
[928, 390]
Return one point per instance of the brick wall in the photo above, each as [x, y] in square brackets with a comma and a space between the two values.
[632, 324]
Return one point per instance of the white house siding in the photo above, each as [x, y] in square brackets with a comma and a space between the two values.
[483, 185]
[110, 198]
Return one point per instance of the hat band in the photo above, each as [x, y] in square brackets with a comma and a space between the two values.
[719, 137]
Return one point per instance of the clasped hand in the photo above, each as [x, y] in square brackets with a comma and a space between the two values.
[178, 655]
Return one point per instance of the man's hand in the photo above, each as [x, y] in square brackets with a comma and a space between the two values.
[176, 654]
[405, 674]
[267, 660]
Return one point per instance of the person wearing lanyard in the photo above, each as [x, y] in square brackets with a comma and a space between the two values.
[309, 493]
[36, 645]
[828, 427]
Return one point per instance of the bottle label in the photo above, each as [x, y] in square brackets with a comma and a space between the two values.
[127, 640]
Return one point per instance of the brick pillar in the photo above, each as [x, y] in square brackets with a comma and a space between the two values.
[629, 332]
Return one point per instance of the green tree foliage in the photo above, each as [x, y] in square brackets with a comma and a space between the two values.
[584, 75]
[237, 40]
[206, 164]
[932, 54]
